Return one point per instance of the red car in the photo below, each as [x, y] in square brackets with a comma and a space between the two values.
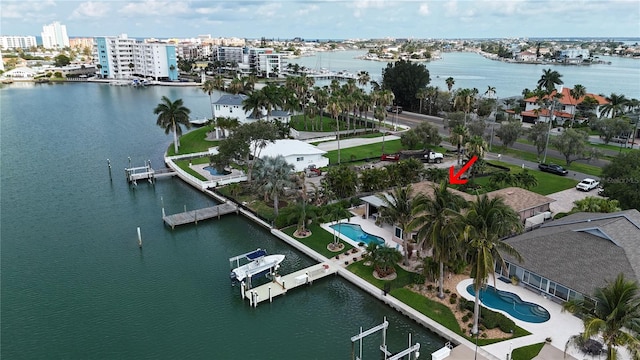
[390, 157]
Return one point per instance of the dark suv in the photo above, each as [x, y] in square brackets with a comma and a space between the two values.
[394, 109]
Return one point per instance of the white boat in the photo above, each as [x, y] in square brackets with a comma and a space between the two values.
[254, 263]
[199, 122]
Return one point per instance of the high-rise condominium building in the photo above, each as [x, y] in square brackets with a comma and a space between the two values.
[17, 42]
[119, 57]
[54, 36]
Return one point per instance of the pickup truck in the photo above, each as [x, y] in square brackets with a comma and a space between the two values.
[436, 157]
[587, 184]
[553, 168]
[312, 171]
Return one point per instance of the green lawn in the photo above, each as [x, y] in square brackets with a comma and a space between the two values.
[192, 142]
[526, 352]
[547, 183]
[318, 240]
[443, 315]
[327, 124]
[369, 151]
[403, 278]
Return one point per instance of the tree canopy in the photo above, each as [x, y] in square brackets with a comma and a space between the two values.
[405, 79]
[621, 180]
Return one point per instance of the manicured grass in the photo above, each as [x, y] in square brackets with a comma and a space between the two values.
[614, 147]
[369, 151]
[193, 142]
[364, 151]
[253, 202]
[575, 166]
[547, 183]
[318, 240]
[443, 315]
[184, 165]
[526, 352]
[402, 279]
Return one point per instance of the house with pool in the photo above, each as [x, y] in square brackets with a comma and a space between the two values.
[570, 257]
[532, 208]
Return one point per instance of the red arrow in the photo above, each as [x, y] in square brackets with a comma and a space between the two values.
[455, 178]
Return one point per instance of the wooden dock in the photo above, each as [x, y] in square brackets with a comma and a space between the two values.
[281, 284]
[194, 216]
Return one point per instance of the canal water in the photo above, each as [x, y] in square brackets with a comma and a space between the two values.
[74, 284]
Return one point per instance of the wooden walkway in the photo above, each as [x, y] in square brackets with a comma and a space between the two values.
[281, 284]
[194, 216]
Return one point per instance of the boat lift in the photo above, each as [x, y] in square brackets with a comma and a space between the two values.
[412, 349]
[252, 255]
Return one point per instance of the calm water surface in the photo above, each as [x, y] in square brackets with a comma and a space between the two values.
[74, 284]
[471, 70]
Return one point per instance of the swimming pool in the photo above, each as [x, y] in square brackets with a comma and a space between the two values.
[511, 304]
[355, 233]
[213, 171]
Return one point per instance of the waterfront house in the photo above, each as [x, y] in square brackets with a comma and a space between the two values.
[526, 56]
[21, 73]
[230, 106]
[297, 153]
[532, 208]
[570, 257]
[564, 110]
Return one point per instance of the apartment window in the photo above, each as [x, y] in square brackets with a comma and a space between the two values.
[300, 158]
[217, 107]
[398, 232]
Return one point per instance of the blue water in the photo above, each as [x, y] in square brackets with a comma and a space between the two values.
[355, 233]
[213, 171]
[511, 304]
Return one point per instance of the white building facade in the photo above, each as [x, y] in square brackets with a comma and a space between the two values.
[17, 42]
[54, 36]
[123, 58]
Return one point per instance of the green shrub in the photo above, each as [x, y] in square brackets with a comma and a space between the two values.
[417, 278]
[452, 300]
[465, 318]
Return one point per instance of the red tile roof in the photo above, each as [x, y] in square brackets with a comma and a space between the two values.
[568, 100]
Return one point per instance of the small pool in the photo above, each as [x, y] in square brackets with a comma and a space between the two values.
[511, 304]
[355, 233]
[213, 171]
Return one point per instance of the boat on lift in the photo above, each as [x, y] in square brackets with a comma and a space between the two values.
[254, 263]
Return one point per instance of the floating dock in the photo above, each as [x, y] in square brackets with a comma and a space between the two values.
[194, 216]
[281, 284]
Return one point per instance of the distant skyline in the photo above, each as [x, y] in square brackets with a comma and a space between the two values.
[328, 19]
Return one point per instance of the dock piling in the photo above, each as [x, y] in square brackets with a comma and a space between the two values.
[270, 298]
[109, 166]
[139, 238]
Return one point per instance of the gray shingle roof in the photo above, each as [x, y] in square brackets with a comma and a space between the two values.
[584, 250]
[228, 99]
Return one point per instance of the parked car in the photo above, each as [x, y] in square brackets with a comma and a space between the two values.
[587, 184]
[553, 168]
[394, 109]
[390, 157]
[312, 171]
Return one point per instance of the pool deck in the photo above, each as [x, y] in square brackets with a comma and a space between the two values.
[200, 169]
[368, 226]
[560, 327]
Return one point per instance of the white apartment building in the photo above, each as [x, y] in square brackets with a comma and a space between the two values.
[271, 64]
[262, 61]
[54, 36]
[123, 58]
[17, 42]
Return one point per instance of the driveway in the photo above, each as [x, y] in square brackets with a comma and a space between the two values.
[565, 198]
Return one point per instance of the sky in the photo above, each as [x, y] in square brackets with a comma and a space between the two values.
[327, 19]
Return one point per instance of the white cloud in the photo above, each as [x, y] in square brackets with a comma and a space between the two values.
[423, 9]
[155, 8]
[307, 10]
[271, 9]
[26, 9]
[91, 9]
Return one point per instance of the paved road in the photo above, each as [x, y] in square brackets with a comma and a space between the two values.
[413, 119]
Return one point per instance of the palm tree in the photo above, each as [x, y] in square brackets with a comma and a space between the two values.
[549, 80]
[422, 94]
[432, 95]
[450, 82]
[236, 86]
[209, 87]
[171, 115]
[385, 260]
[491, 91]
[273, 175]
[363, 78]
[614, 316]
[254, 103]
[615, 106]
[218, 82]
[383, 98]
[433, 219]
[476, 146]
[576, 93]
[397, 211]
[458, 137]
[482, 227]
[464, 100]
[335, 107]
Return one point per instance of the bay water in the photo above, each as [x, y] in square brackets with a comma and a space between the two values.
[471, 70]
[74, 284]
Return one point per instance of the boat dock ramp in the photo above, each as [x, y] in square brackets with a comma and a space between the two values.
[194, 216]
[281, 284]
